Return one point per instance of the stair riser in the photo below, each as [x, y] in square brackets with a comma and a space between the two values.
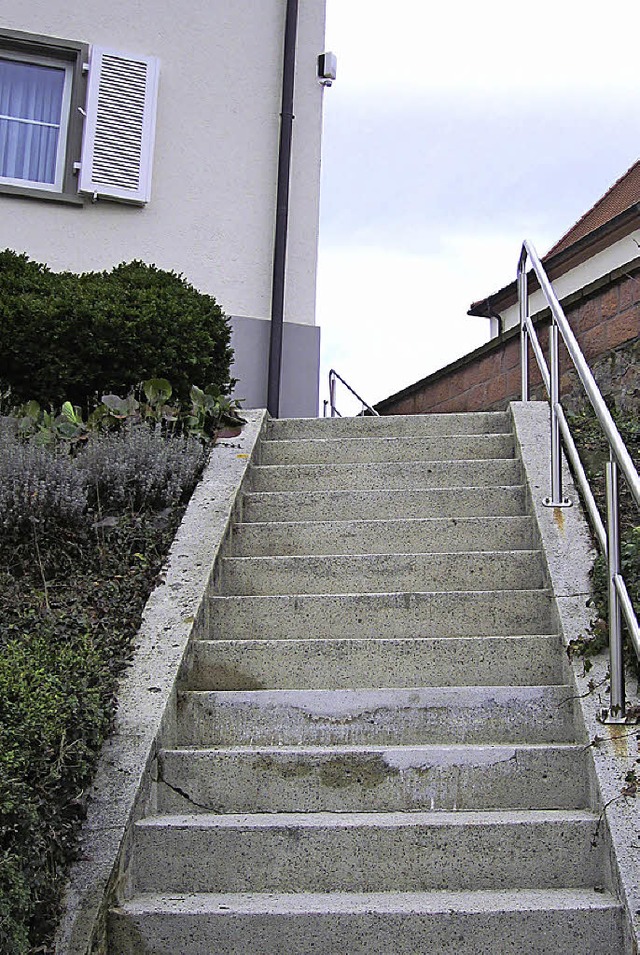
[382, 537]
[371, 450]
[405, 857]
[352, 574]
[359, 718]
[403, 780]
[394, 426]
[405, 504]
[381, 615]
[323, 664]
[570, 932]
[412, 474]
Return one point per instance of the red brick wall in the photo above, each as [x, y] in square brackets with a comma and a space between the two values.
[606, 322]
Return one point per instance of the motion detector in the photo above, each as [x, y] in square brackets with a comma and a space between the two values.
[327, 65]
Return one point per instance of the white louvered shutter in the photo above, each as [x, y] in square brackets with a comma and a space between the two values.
[117, 147]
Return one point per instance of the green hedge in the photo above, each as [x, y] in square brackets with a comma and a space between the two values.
[76, 337]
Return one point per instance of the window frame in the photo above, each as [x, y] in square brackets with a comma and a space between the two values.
[73, 56]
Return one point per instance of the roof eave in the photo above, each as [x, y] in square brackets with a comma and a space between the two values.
[563, 261]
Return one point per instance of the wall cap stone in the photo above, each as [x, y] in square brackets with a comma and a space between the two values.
[569, 552]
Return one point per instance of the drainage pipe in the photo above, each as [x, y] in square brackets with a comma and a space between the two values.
[282, 211]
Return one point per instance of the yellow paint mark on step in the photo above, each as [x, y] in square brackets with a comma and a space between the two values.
[622, 739]
[558, 516]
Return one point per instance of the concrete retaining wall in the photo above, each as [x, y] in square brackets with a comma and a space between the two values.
[175, 611]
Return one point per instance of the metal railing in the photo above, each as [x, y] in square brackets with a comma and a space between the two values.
[619, 459]
[334, 377]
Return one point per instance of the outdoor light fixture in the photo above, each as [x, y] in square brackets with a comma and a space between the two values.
[327, 65]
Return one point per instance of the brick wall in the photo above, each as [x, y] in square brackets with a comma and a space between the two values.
[605, 318]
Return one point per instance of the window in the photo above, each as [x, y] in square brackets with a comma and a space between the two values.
[41, 87]
[34, 109]
[74, 124]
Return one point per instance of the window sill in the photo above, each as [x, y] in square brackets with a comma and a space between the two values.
[66, 198]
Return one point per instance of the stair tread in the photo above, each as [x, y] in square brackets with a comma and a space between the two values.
[391, 595]
[340, 558]
[360, 641]
[407, 695]
[390, 438]
[386, 521]
[420, 424]
[437, 901]
[450, 750]
[416, 501]
[366, 820]
[415, 489]
[376, 464]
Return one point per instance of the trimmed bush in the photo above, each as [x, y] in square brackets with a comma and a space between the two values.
[77, 337]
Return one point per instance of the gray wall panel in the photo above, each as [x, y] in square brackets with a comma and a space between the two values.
[300, 365]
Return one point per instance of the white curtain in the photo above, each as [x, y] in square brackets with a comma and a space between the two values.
[30, 116]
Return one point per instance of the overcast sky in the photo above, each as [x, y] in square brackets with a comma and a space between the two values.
[454, 131]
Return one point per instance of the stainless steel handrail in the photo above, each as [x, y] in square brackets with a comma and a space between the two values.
[333, 377]
[608, 536]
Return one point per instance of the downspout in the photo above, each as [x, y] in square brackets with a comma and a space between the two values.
[282, 210]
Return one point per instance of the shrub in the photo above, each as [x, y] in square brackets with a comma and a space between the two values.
[67, 336]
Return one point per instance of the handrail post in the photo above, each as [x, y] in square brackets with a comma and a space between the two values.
[334, 377]
[556, 499]
[332, 394]
[616, 664]
[523, 298]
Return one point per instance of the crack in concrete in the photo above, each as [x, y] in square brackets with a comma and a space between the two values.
[185, 795]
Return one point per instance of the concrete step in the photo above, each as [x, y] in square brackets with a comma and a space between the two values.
[382, 536]
[346, 450]
[366, 852]
[540, 921]
[374, 573]
[371, 779]
[386, 476]
[401, 504]
[388, 615]
[397, 426]
[380, 716]
[345, 663]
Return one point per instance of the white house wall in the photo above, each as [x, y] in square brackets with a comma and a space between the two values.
[593, 269]
[212, 209]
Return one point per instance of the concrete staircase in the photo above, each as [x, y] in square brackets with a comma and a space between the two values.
[376, 750]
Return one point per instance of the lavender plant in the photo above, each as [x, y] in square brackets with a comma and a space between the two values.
[38, 486]
[140, 467]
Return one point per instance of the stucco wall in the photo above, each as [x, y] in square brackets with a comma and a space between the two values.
[212, 209]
